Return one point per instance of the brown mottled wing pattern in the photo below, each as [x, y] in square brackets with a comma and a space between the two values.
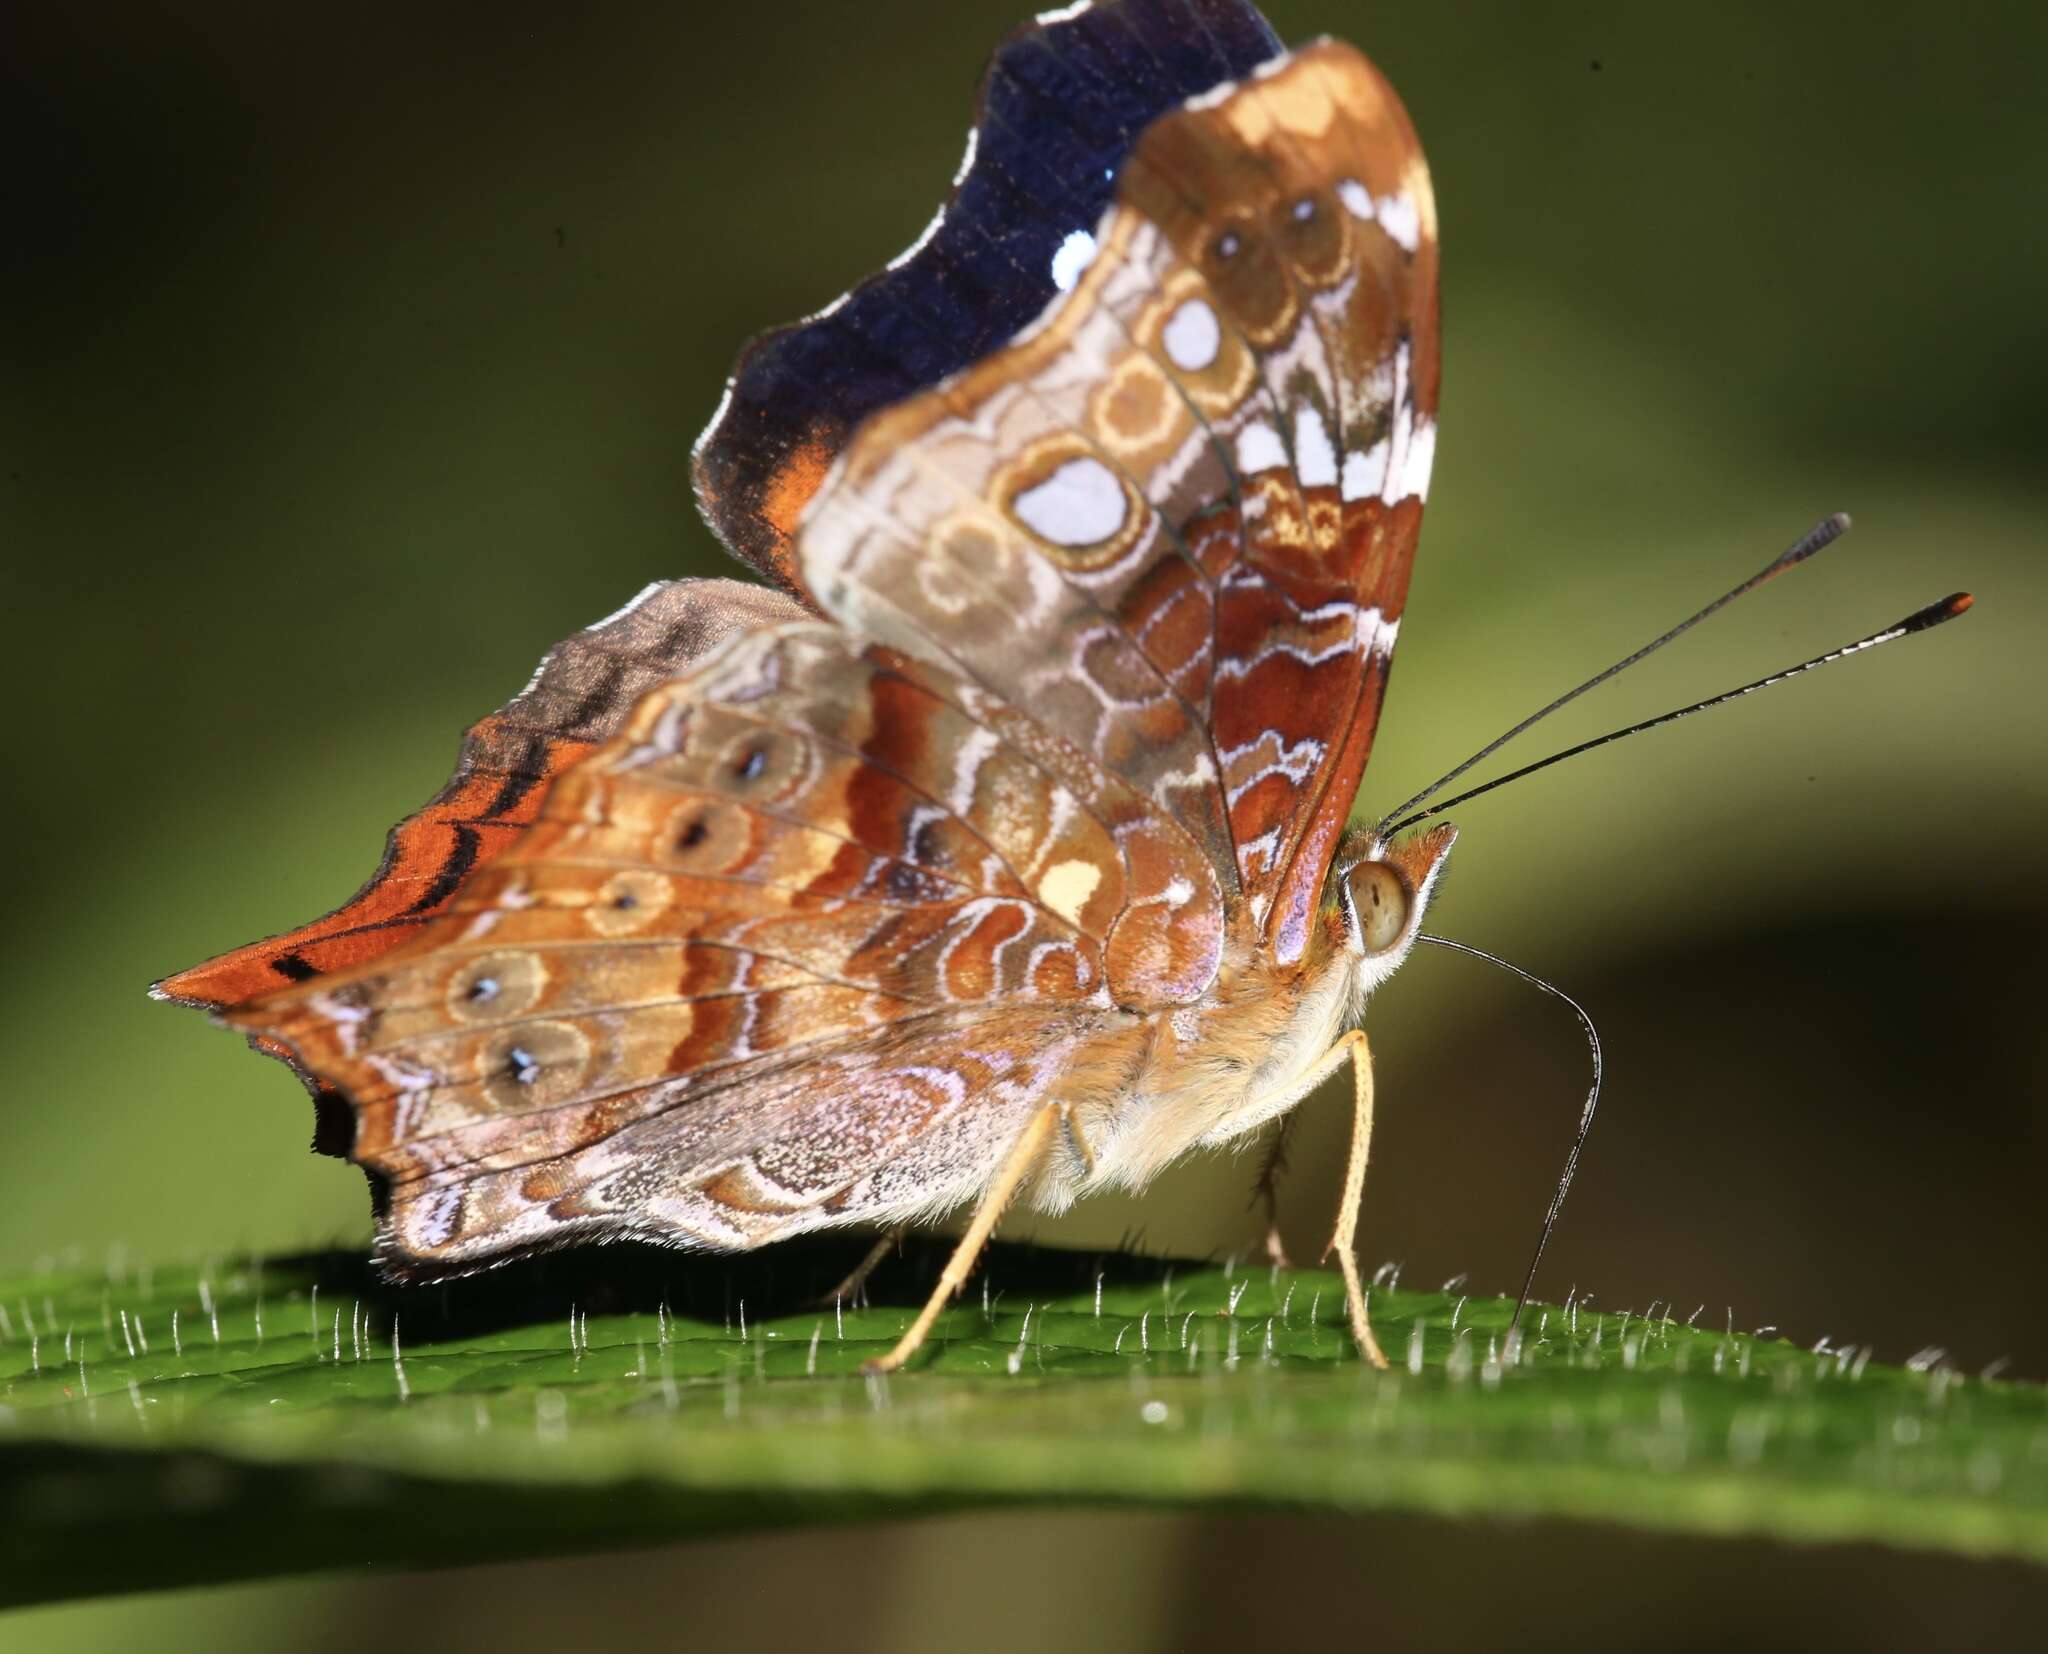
[1303, 199]
[759, 952]
[578, 696]
[1174, 519]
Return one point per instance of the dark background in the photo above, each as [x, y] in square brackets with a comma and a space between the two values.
[353, 355]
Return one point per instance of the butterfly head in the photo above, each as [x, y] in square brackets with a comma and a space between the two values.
[1381, 888]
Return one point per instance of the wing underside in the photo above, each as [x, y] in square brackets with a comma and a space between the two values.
[1175, 517]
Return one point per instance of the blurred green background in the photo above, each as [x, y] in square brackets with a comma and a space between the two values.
[353, 356]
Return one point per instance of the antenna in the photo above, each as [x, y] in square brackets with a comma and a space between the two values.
[1920, 620]
[1823, 534]
[1571, 1162]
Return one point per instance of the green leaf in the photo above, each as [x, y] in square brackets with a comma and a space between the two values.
[255, 1417]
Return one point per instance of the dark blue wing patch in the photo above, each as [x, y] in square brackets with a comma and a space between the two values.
[1061, 103]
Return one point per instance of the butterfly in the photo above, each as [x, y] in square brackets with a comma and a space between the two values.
[998, 846]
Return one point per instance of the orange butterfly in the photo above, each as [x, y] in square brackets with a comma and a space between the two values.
[1003, 848]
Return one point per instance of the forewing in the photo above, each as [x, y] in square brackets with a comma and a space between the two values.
[1301, 200]
[577, 698]
[802, 857]
[1174, 518]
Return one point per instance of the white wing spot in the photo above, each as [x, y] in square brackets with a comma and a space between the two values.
[1315, 460]
[1259, 449]
[1397, 464]
[1421, 459]
[1364, 473]
[1402, 435]
[1080, 504]
[1192, 336]
[1067, 887]
[1071, 257]
[1356, 197]
[1400, 219]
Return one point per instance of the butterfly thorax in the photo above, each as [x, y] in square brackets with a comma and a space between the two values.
[1249, 1050]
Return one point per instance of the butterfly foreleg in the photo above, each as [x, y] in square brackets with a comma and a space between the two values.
[844, 1292]
[1026, 1155]
[1353, 1046]
[1077, 1140]
[1266, 1192]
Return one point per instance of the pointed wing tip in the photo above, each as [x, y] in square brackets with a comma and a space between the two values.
[187, 988]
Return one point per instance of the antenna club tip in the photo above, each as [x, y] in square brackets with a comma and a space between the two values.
[1817, 538]
[1935, 613]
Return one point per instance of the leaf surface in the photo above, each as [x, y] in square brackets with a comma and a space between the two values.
[255, 1417]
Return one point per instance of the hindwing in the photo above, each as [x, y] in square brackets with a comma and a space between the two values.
[799, 858]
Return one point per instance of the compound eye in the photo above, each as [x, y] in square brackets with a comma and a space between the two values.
[1381, 902]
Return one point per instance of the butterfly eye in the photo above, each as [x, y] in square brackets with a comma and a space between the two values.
[1380, 903]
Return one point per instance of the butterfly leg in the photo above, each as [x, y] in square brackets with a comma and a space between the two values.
[845, 1290]
[1024, 1158]
[1077, 1139]
[1342, 1239]
[1266, 1192]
